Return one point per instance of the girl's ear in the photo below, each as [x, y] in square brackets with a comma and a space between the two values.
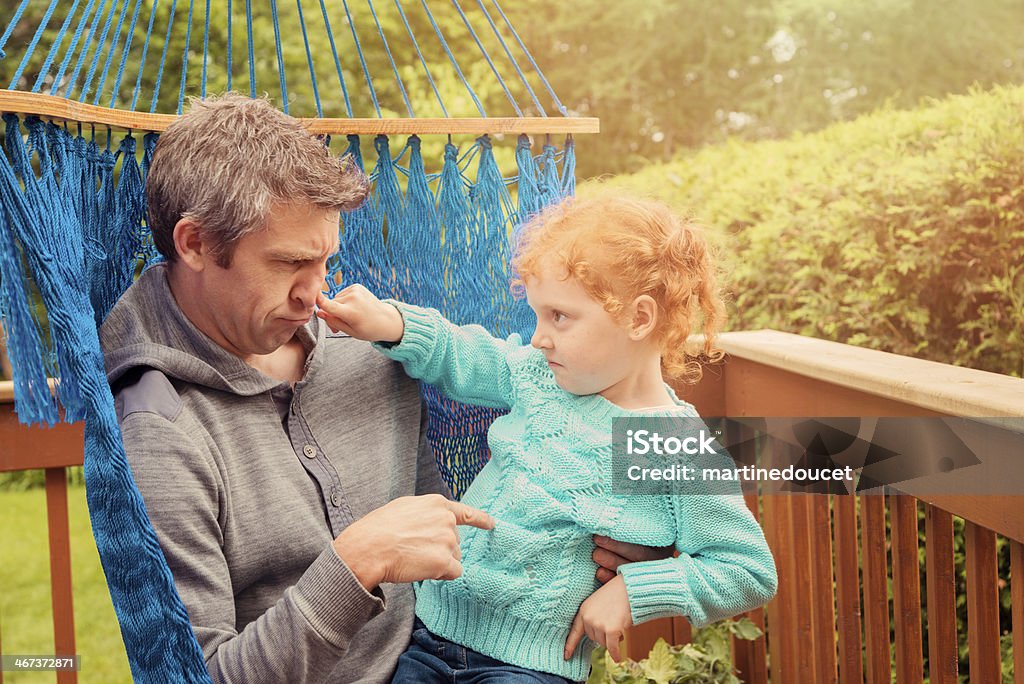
[645, 317]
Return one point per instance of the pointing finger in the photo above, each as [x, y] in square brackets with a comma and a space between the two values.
[466, 515]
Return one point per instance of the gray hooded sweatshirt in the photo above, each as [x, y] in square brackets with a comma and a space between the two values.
[247, 481]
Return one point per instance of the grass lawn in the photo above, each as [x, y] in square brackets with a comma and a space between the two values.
[26, 619]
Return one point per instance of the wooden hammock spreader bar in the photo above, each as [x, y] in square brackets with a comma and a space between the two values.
[61, 109]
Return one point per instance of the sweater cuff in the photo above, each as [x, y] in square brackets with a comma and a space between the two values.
[333, 601]
[657, 589]
[418, 337]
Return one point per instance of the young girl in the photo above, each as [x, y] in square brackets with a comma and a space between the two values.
[617, 285]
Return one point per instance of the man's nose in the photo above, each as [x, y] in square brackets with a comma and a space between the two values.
[306, 290]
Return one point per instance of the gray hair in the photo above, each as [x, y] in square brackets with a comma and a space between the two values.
[228, 161]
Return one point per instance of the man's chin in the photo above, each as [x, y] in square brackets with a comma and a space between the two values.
[272, 343]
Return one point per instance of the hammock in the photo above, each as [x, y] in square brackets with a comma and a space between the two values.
[78, 138]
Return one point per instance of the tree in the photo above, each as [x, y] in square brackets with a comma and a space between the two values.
[662, 75]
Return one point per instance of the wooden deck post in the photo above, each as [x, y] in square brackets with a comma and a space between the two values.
[60, 569]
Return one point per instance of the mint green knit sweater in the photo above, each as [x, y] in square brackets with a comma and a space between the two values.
[548, 486]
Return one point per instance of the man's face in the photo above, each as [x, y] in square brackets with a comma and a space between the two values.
[256, 304]
[588, 351]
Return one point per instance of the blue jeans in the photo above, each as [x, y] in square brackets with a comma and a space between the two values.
[431, 658]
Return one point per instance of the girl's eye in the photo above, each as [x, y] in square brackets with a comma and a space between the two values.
[558, 316]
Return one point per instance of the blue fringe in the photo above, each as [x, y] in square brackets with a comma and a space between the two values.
[154, 624]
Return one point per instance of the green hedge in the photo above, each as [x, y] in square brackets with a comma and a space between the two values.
[901, 231]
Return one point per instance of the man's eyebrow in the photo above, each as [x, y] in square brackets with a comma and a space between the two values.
[294, 256]
[301, 256]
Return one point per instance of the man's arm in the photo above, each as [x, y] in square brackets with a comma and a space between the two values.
[304, 634]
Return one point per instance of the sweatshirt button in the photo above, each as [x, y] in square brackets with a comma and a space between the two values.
[309, 451]
[335, 500]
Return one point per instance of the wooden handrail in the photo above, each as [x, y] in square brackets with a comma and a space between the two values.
[770, 373]
[900, 380]
[24, 447]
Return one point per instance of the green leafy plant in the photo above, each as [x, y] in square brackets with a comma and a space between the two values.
[901, 231]
[707, 659]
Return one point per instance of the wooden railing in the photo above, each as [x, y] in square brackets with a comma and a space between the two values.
[830, 622]
[53, 449]
[815, 538]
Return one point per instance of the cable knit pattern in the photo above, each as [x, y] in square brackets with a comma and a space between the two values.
[548, 486]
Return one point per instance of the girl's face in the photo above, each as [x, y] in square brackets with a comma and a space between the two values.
[588, 351]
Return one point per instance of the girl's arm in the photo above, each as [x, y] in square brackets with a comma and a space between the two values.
[465, 362]
[724, 565]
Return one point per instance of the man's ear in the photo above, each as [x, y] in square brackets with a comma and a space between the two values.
[188, 242]
[645, 317]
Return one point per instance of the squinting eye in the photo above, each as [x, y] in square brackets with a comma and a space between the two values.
[558, 316]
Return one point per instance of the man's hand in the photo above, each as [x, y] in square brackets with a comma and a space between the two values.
[603, 617]
[610, 554]
[357, 312]
[409, 539]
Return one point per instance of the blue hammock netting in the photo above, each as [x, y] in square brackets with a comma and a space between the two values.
[89, 88]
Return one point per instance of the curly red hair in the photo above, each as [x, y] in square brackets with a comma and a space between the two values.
[619, 248]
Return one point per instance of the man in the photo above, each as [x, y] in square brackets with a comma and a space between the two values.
[285, 470]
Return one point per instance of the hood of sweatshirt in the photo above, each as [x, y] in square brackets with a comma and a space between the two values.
[147, 329]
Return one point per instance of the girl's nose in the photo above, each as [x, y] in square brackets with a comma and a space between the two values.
[540, 341]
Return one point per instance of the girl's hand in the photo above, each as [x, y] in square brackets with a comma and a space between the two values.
[603, 617]
[357, 312]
